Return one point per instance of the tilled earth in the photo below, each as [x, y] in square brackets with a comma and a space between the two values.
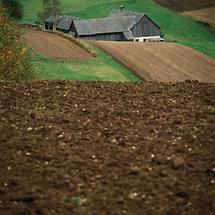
[183, 5]
[105, 148]
[53, 46]
[160, 62]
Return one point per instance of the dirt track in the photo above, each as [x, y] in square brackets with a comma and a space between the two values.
[53, 46]
[107, 149]
[164, 62]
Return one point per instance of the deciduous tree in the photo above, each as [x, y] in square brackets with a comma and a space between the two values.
[51, 8]
[15, 63]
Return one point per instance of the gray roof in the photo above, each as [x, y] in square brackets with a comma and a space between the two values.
[128, 35]
[138, 15]
[121, 13]
[103, 25]
[65, 22]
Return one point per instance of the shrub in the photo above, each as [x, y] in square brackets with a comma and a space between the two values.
[13, 7]
[15, 60]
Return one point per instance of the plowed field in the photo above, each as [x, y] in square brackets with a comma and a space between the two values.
[53, 46]
[204, 15]
[164, 62]
[183, 5]
[76, 148]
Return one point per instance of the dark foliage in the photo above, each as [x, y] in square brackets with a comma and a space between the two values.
[14, 8]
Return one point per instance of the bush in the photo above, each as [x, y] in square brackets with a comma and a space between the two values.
[15, 60]
[13, 7]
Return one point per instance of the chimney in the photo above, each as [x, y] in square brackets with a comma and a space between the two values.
[122, 8]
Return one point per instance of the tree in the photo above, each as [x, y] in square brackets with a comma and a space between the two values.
[51, 8]
[14, 8]
[15, 60]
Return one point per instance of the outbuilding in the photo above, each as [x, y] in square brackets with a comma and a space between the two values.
[63, 23]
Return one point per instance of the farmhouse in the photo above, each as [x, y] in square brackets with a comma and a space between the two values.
[120, 25]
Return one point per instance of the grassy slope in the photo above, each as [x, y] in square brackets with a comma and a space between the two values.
[104, 68]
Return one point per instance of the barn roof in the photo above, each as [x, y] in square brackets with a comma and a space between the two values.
[121, 13]
[103, 25]
[137, 15]
[128, 35]
[65, 22]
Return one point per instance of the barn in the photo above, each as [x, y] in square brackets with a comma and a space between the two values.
[143, 28]
[110, 29]
[120, 25]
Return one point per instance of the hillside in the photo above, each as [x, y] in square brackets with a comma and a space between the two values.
[104, 148]
[206, 15]
[184, 5]
[163, 62]
[57, 57]
[174, 26]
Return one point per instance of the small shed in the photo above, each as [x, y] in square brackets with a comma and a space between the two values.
[63, 23]
[49, 23]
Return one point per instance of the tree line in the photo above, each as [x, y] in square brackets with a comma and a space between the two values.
[14, 9]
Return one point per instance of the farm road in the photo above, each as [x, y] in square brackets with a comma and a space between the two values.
[163, 62]
[107, 148]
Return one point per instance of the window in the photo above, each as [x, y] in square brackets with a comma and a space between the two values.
[136, 40]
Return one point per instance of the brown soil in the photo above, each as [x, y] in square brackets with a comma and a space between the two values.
[183, 5]
[206, 15]
[53, 46]
[105, 148]
[164, 62]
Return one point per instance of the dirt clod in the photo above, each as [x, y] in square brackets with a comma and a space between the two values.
[178, 162]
